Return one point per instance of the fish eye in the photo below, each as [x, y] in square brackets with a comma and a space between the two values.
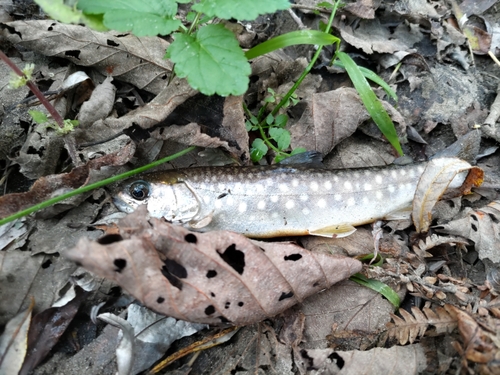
[139, 190]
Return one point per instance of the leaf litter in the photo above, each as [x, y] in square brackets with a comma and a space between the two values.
[441, 102]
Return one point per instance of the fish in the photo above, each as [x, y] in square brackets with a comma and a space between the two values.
[278, 200]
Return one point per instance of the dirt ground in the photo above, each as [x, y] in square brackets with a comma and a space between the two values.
[448, 278]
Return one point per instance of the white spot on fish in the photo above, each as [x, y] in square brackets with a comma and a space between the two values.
[314, 186]
[379, 195]
[259, 188]
[347, 185]
[206, 199]
[391, 188]
[214, 178]
[368, 187]
[338, 197]
[336, 178]
[203, 186]
[366, 200]
[321, 203]
[403, 172]
[295, 182]
[269, 182]
[221, 186]
[242, 207]
[420, 169]
[283, 187]
[351, 201]
[358, 186]
[328, 185]
[261, 205]
[290, 204]
[385, 172]
[304, 197]
[274, 198]
[230, 177]
[230, 201]
[306, 211]
[357, 175]
[394, 174]
[275, 215]
[378, 179]
[218, 203]
[412, 173]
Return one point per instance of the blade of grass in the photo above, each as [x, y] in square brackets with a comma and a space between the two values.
[377, 286]
[370, 100]
[372, 76]
[292, 38]
[93, 186]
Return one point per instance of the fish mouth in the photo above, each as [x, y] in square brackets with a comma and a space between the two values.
[122, 205]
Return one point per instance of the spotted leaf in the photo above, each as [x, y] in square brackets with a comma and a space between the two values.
[214, 277]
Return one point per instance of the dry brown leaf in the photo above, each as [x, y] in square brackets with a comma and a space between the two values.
[481, 226]
[216, 277]
[410, 327]
[100, 104]
[49, 186]
[479, 342]
[438, 176]
[329, 118]
[138, 61]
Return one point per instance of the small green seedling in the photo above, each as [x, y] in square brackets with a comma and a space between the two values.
[42, 119]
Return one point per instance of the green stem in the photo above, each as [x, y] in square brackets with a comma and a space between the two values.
[93, 186]
[310, 66]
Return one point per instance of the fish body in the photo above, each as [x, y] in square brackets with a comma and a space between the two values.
[279, 200]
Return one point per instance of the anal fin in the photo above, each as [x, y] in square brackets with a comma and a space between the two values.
[334, 231]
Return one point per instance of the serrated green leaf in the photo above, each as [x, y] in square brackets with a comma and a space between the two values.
[38, 117]
[370, 101]
[141, 17]
[281, 136]
[212, 61]
[258, 150]
[291, 39]
[247, 10]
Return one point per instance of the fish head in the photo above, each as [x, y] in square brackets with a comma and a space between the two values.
[173, 201]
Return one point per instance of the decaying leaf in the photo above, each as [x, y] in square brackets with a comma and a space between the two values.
[216, 277]
[13, 341]
[439, 175]
[481, 226]
[100, 104]
[133, 60]
[410, 327]
[330, 117]
[49, 186]
[409, 360]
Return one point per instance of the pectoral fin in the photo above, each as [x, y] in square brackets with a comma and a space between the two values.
[334, 231]
[202, 222]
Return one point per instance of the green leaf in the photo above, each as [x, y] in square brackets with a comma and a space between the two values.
[258, 150]
[59, 11]
[212, 61]
[371, 102]
[38, 117]
[141, 17]
[372, 76]
[281, 136]
[281, 120]
[379, 287]
[290, 39]
[298, 150]
[247, 10]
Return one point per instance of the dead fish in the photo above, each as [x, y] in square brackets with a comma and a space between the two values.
[279, 200]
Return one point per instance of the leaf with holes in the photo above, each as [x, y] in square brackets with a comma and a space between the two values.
[212, 61]
[215, 277]
[481, 226]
